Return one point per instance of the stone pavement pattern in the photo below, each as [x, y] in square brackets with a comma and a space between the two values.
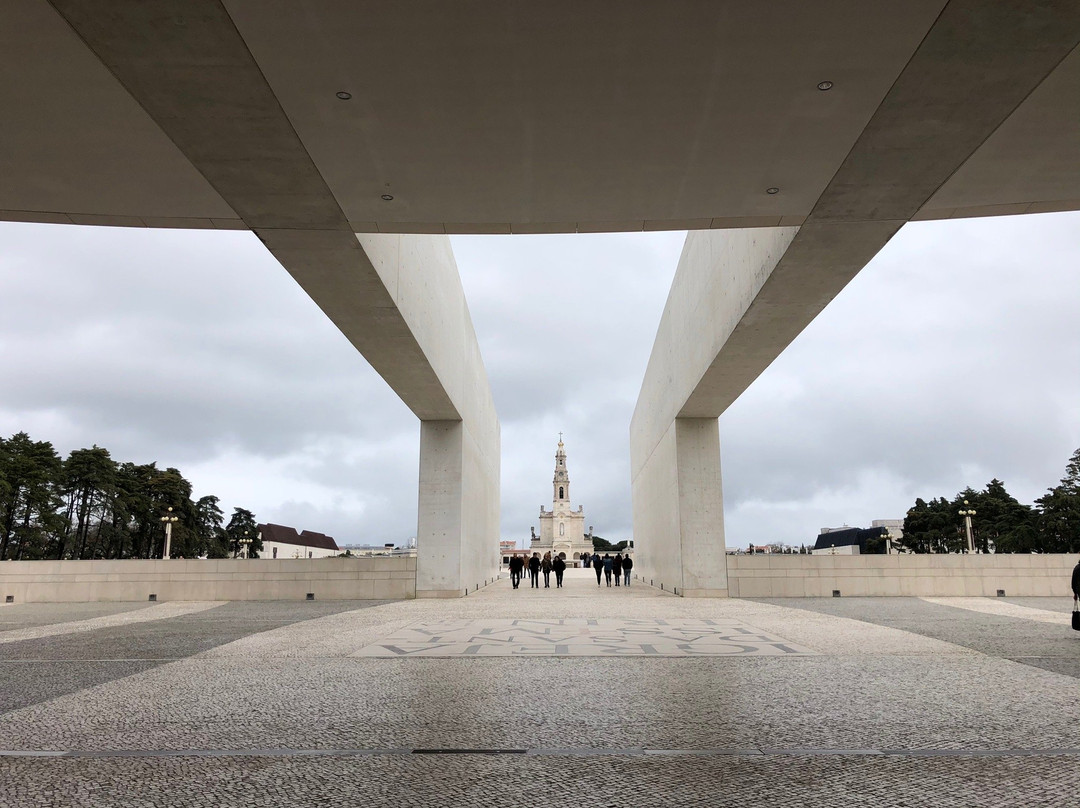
[889, 702]
[575, 637]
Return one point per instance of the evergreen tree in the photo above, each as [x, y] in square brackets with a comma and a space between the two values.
[1059, 512]
[89, 485]
[242, 526]
[1001, 522]
[932, 527]
[28, 501]
[212, 540]
[89, 506]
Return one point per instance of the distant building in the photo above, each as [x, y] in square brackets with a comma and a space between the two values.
[280, 541]
[562, 529]
[388, 549]
[894, 526]
[844, 549]
[836, 538]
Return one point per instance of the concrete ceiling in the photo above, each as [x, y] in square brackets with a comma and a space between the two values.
[75, 147]
[494, 116]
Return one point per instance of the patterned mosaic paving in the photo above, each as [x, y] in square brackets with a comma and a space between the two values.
[581, 637]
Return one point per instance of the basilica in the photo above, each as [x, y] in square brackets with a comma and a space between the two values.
[562, 529]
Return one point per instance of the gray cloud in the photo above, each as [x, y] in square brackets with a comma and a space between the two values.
[951, 359]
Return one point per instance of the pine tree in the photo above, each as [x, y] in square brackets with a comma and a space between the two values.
[1059, 512]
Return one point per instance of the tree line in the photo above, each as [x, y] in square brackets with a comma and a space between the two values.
[90, 506]
[1001, 523]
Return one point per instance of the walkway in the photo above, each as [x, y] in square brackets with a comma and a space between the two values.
[584, 695]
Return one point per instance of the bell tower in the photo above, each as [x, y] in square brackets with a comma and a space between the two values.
[560, 500]
[562, 530]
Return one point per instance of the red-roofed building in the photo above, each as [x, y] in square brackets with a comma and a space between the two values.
[280, 541]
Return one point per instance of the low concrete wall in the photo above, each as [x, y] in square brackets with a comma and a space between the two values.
[814, 576]
[212, 579]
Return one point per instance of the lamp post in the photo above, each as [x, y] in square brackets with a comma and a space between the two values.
[967, 512]
[169, 520]
[245, 542]
[887, 536]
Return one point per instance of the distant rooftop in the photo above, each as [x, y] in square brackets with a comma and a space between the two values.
[288, 535]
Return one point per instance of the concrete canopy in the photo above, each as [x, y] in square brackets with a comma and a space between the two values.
[497, 117]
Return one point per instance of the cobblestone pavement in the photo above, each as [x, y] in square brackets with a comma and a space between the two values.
[898, 702]
[159, 611]
[1023, 630]
[53, 662]
[23, 615]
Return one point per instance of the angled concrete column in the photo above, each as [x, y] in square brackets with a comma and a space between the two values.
[675, 455]
[397, 298]
[740, 297]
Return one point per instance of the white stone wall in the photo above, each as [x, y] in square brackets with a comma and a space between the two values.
[796, 576]
[209, 579]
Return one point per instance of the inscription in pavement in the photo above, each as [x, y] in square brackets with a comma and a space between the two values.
[581, 637]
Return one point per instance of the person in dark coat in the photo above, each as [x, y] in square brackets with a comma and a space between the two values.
[516, 565]
[1076, 581]
[598, 566]
[534, 571]
[627, 565]
[545, 566]
[585, 558]
[616, 567]
[559, 566]
[608, 564]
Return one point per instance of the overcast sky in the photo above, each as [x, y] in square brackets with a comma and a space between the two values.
[954, 357]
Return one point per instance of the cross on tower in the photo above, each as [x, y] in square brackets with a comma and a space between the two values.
[560, 437]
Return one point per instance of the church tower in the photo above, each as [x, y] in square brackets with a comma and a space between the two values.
[562, 530]
[560, 499]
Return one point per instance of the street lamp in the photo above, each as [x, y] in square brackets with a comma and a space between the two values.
[887, 536]
[169, 520]
[245, 542]
[967, 512]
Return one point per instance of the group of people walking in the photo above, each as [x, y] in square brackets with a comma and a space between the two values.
[535, 566]
[605, 567]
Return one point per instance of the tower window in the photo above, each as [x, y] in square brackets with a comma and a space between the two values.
[562, 529]
[561, 494]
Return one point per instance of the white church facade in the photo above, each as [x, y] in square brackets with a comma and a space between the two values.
[562, 529]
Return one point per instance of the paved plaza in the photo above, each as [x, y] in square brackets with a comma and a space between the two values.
[574, 696]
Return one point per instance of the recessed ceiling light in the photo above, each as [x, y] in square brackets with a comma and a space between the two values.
[772, 190]
[344, 96]
[824, 85]
[387, 197]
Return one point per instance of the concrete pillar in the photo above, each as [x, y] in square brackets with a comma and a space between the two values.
[458, 512]
[701, 507]
[439, 524]
[679, 511]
